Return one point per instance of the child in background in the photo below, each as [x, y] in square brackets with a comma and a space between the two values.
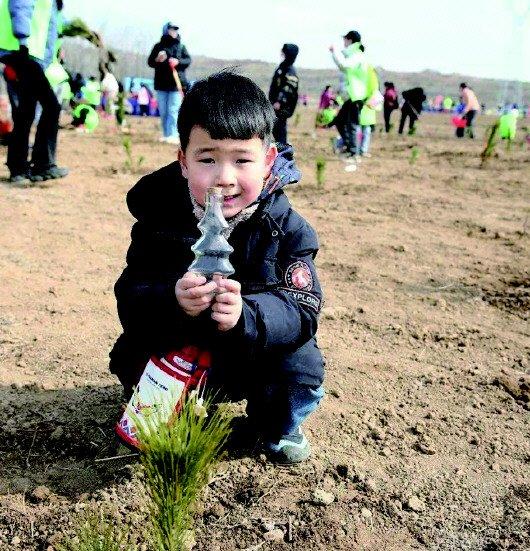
[390, 103]
[259, 326]
[326, 98]
[144, 99]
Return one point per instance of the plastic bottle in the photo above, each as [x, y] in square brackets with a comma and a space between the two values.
[212, 249]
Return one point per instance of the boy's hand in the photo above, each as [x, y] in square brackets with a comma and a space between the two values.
[161, 57]
[276, 105]
[226, 310]
[193, 293]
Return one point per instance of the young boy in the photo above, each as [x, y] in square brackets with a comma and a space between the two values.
[259, 326]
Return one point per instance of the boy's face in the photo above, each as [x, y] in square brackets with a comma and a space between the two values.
[239, 167]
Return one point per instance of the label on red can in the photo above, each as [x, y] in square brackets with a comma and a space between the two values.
[157, 394]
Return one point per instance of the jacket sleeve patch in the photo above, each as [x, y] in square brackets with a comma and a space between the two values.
[298, 276]
[303, 297]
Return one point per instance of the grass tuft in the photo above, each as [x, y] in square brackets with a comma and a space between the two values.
[96, 534]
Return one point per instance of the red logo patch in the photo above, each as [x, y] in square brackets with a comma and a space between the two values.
[298, 276]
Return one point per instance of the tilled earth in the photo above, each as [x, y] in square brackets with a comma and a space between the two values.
[422, 441]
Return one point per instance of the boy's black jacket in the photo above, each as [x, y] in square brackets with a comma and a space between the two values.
[164, 79]
[275, 337]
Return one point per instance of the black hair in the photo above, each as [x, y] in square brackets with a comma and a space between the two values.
[463, 85]
[227, 106]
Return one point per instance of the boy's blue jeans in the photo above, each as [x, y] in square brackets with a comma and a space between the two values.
[278, 410]
[168, 107]
[274, 409]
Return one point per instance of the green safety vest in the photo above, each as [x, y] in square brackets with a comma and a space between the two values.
[40, 22]
[92, 118]
[325, 116]
[508, 126]
[368, 116]
[357, 77]
[91, 92]
[56, 74]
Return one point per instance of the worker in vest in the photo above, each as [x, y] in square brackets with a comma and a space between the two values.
[28, 33]
[91, 93]
[352, 64]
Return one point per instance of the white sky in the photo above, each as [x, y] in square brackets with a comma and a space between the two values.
[485, 38]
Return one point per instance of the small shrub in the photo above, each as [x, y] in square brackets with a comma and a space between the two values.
[414, 154]
[321, 171]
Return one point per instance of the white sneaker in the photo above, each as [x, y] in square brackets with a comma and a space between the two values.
[162, 139]
[350, 168]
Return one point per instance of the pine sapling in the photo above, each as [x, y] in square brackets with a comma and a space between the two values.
[130, 164]
[321, 171]
[177, 459]
[414, 154]
[491, 144]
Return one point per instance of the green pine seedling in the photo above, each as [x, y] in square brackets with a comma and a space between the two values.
[321, 171]
[414, 154]
[130, 164]
[177, 458]
[96, 534]
[127, 147]
[491, 144]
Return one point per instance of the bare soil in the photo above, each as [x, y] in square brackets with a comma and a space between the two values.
[423, 437]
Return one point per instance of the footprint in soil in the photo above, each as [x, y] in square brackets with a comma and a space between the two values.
[54, 437]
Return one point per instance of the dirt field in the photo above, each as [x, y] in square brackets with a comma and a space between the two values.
[423, 438]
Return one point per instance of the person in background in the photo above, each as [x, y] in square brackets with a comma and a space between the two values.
[352, 63]
[390, 103]
[76, 84]
[448, 104]
[368, 115]
[411, 108]
[326, 98]
[144, 100]
[170, 59]
[471, 108]
[28, 35]
[283, 91]
[109, 90]
[91, 93]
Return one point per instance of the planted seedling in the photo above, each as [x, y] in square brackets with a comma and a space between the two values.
[321, 171]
